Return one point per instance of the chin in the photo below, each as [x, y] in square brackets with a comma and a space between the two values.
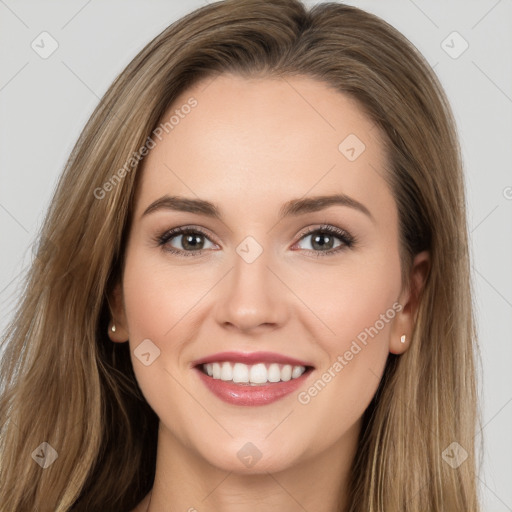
[245, 457]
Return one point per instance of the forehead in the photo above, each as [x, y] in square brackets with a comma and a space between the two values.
[261, 141]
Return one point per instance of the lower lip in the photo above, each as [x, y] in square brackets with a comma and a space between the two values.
[240, 394]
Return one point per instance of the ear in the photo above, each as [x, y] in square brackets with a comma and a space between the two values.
[409, 299]
[118, 316]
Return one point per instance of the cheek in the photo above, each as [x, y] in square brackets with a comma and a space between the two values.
[358, 303]
[156, 306]
[161, 304]
[158, 295]
[356, 297]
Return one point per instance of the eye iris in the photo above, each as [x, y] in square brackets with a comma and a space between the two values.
[192, 241]
[318, 237]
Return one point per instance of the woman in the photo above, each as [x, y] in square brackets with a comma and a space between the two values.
[252, 290]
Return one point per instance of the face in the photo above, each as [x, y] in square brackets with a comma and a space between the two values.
[300, 291]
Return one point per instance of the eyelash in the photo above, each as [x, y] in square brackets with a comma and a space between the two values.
[345, 237]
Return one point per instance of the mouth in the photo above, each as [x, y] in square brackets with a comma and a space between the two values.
[251, 379]
[258, 374]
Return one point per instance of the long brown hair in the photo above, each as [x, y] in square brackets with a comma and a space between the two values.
[65, 383]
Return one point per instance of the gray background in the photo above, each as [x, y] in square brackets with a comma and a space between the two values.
[44, 104]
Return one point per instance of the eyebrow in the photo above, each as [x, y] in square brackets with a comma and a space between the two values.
[293, 207]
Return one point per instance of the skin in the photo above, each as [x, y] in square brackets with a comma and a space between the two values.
[249, 146]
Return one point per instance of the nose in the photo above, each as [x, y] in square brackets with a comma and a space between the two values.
[252, 298]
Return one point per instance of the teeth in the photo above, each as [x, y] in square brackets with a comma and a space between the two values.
[258, 374]
[286, 372]
[254, 374]
[274, 373]
[297, 371]
[226, 372]
[240, 372]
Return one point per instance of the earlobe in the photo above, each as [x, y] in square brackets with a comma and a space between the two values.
[116, 334]
[401, 332]
[117, 328]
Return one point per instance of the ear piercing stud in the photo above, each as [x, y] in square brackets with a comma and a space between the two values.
[113, 328]
[402, 338]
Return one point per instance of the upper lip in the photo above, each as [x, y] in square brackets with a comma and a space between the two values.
[250, 358]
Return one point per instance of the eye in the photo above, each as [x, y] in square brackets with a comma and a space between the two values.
[193, 241]
[186, 241]
[323, 240]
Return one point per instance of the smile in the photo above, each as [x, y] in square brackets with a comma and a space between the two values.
[254, 375]
[251, 379]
